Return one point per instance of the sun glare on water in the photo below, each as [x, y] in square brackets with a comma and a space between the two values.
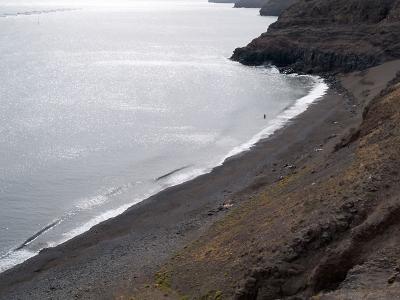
[103, 3]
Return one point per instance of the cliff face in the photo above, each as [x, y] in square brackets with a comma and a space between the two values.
[275, 7]
[315, 36]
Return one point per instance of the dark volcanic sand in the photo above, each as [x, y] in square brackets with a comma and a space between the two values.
[120, 254]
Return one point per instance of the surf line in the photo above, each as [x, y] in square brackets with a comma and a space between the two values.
[172, 172]
[37, 234]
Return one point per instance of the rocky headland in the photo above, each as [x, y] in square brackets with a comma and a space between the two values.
[275, 7]
[314, 36]
[249, 3]
[268, 7]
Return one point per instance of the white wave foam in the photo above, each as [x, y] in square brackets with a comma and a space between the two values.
[85, 227]
[101, 198]
[179, 178]
[281, 120]
[13, 258]
[103, 217]
[91, 202]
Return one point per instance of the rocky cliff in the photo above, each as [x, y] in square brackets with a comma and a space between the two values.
[314, 36]
[275, 7]
[268, 7]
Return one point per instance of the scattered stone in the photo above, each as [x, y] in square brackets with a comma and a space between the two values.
[392, 279]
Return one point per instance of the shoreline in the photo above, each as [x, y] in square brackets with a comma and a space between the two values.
[280, 121]
[124, 252]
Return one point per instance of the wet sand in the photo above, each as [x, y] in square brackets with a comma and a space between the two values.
[119, 255]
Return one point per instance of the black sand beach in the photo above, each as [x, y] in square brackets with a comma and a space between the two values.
[120, 255]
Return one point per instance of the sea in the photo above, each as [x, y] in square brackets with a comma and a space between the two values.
[105, 103]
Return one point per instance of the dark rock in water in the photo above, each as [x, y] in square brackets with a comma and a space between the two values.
[320, 36]
[221, 1]
[275, 7]
[249, 3]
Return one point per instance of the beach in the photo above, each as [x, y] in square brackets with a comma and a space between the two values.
[90, 129]
[118, 256]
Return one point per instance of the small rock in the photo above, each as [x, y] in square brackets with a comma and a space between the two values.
[391, 279]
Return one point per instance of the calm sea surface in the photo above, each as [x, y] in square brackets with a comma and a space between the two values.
[98, 101]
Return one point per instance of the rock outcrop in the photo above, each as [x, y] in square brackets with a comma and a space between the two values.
[221, 1]
[249, 3]
[275, 7]
[318, 36]
[268, 7]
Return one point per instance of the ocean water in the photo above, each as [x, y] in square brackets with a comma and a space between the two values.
[100, 100]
